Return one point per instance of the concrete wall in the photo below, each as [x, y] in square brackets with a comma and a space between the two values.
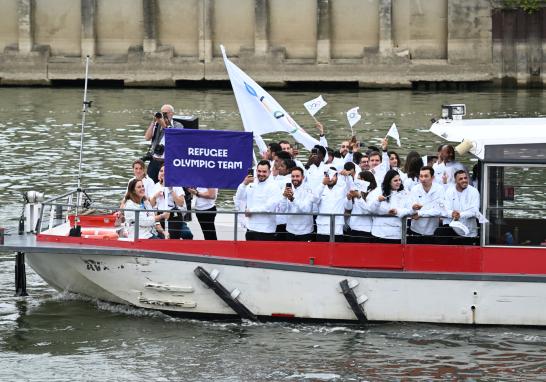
[386, 43]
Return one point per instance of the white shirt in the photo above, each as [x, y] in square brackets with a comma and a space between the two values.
[160, 200]
[429, 214]
[280, 181]
[302, 203]
[359, 206]
[146, 220]
[390, 227]
[259, 197]
[467, 202]
[202, 204]
[449, 168]
[331, 201]
[409, 183]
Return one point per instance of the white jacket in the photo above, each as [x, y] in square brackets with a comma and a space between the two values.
[429, 214]
[359, 206]
[390, 227]
[467, 202]
[146, 219]
[331, 201]
[302, 203]
[259, 197]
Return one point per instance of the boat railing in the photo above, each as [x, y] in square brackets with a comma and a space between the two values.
[71, 206]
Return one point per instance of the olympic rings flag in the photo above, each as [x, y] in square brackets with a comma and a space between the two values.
[315, 105]
[261, 113]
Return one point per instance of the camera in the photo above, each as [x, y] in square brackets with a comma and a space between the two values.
[288, 185]
[159, 149]
[158, 114]
[250, 172]
[314, 151]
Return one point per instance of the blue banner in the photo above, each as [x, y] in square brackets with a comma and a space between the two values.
[207, 158]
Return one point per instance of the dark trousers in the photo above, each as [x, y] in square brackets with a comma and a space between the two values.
[206, 221]
[355, 236]
[178, 229]
[153, 168]
[385, 241]
[280, 232]
[447, 236]
[417, 238]
[259, 236]
[307, 237]
[326, 238]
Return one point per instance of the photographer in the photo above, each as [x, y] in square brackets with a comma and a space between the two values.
[156, 133]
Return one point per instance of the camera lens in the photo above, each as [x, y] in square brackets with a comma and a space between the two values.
[158, 114]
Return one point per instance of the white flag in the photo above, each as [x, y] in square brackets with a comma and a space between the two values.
[481, 219]
[353, 117]
[393, 132]
[260, 112]
[315, 105]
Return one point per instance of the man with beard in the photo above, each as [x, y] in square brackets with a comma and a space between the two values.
[259, 195]
[461, 206]
[298, 198]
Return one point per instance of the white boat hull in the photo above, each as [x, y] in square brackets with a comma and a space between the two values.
[169, 283]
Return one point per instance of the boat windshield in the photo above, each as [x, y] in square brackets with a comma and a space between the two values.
[515, 205]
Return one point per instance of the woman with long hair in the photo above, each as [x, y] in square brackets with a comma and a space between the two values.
[413, 166]
[171, 198]
[391, 206]
[148, 221]
[359, 202]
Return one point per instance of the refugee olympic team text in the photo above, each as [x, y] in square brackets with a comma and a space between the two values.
[201, 151]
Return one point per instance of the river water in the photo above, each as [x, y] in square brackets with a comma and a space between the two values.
[54, 336]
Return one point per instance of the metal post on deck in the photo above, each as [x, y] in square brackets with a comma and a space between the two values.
[404, 236]
[137, 224]
[235, 226]
[332, 228]
[20, 275]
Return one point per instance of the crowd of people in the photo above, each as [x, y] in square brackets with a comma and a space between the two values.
[355, 194]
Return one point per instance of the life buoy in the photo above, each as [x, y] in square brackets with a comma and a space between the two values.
[102, 234]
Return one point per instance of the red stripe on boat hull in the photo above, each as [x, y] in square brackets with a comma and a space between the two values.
[418, 258]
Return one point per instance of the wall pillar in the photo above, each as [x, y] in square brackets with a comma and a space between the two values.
[89, 31]
[25, 15]
[323, 32]
[149, 44]
[385, 26]
[261, 29]
[205, 31]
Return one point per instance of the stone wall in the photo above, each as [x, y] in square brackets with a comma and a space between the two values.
[372, 43]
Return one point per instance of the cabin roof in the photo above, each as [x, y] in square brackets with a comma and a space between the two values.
[492, 132]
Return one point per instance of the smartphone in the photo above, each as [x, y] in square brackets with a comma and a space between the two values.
[326, 173]
[288, 185]
[250, 172]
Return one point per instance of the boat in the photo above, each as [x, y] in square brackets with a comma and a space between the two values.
[501, 281]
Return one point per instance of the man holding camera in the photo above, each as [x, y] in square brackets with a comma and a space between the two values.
[156, 133]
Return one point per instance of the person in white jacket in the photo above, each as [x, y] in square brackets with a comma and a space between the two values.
[259, 195]
[426, 199]
[148, 221]
[393, 201]
[330, 199]
[359, 199]
[298, 198]
[461, 204]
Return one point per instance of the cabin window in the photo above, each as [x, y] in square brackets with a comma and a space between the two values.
[515, 205]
